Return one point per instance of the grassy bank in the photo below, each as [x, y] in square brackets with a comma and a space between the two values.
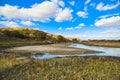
[103, 43]
[69, 68]
[14, 42]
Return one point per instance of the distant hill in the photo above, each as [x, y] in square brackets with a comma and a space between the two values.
[28, 33]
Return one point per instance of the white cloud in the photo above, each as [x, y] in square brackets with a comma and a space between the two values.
[100, 37]
[87, 2]
[64, 15]
[112, 34]
[82, 14]
[9, 24]
[60, 28]
[109, 22]
[70, 28]
[55, 1]
[9, 11]
[109, 15]
[111, 31]
[28, 23]
[42, 12]
[59, 2]
[36, 28]
[102, 7]
[80, 25]
[72, 3]
[85, 8]
[39, 12]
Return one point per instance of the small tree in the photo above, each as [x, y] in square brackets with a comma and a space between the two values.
[16, 34]
[60, 38]
[74, 40]
[41, 35]
[6, 33]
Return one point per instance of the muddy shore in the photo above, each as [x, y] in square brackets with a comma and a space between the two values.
[52, 48]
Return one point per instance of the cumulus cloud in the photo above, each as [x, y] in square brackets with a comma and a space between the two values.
[70, 28]
[113, 21]
[82, 14]
[59, 2]
[27, 23]
[64, 15]
[80, 25]
[39, 12]
[9, 24]
[87, 2]
[72, 3]
[42, 12]
[102, 7]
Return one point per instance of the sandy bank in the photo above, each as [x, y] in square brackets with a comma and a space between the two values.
[53, 49]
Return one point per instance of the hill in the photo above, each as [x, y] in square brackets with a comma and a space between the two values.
[13, 37]
[28, 33]
[26, 36]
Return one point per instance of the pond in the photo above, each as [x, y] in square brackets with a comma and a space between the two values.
[106, 51]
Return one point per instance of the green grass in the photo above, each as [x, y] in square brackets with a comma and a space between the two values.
[69, 68]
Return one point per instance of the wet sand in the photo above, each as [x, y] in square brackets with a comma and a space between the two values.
[53, 49]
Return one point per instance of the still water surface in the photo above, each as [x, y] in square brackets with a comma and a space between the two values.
[106, 51]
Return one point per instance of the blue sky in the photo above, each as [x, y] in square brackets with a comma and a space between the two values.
[84, 19]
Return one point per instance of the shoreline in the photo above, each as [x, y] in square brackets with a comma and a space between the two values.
[51, 48]
[111, 44]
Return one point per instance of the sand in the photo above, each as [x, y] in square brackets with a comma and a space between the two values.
[53, 49]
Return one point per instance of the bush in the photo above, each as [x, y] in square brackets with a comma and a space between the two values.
[60, 38]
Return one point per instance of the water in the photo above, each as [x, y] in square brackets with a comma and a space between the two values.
[106, 51]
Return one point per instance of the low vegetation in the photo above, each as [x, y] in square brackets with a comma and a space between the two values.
[31, 34]
[16, 67]
[12, 37]
[104, 43]
[69, 68]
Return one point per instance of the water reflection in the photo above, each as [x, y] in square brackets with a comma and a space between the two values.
[47, 55]
[106, 52]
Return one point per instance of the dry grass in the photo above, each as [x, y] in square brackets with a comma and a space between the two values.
[103, 43]
[69, 68]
